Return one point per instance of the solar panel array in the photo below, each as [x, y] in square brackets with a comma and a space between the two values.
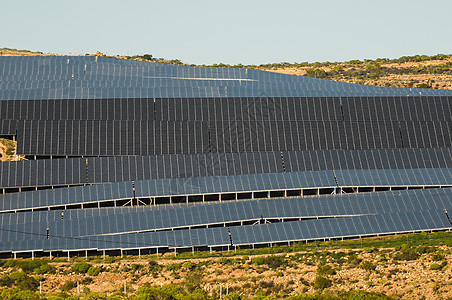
[89, 77]
[362, 109]
[362, 214]
[64, 197]
[225, 125]
[89, 138]
[110, 132]
[75, 171]
[218, 213]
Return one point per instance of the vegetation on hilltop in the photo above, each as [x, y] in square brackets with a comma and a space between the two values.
[420, 71]
[17, 52]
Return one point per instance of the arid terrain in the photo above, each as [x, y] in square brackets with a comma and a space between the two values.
[405, 271]
[412, 71]
[8, 150]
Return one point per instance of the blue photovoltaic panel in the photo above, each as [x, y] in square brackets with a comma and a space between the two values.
[249, 234]
[394, 177]
[96, 222]
[217, 185]
[340, 227]
[173, 239]
[168, 137]
[236, 183]
[66, 196]
[113, 169]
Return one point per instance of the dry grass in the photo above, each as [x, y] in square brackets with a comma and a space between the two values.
[411, 279]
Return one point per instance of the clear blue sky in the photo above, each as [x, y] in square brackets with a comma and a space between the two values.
[231, 31]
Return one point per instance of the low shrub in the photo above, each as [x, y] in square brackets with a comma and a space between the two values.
[224, 261]
[94, 271]
[173, 267]
[406, 253]
[360, 294]
[323, 269]
[68, 285]
[86, 280]
[109, 259]
[233, 296]
[136, 267]
[28, 266]
[437, 256]
[154, 266]
[272, 261]
[81, 267]
[353, 259]
[189, 265]
[368, 266]
[321, 283]
[44, 269]
[17, 293]
[258, 260]
[20, 280]
[435, 266]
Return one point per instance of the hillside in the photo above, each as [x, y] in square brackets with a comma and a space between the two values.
[15, 52]
[414, 71]
[407, 71]
[415, 266]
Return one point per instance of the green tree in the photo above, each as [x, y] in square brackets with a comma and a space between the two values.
[317, 73]
[147, 57]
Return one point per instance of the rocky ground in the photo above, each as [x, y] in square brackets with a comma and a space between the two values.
[408, 273]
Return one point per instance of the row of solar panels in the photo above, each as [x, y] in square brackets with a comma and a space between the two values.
[72, 171]
[169, 81]
[220, 109]
[223, 185]
[356, 226]
[275, 208]
[166, 187]
[93, 82]
[154, 83]
[107, 138]
[208, 91]
[89, 222]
